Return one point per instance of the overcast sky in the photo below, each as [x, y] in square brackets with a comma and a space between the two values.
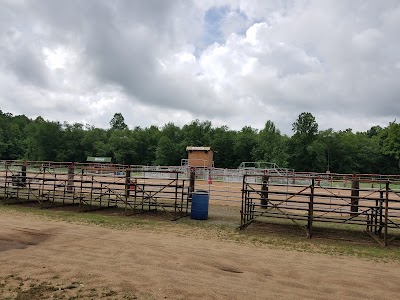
[235, 63]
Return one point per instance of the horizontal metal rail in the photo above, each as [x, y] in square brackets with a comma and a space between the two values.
[376, 208]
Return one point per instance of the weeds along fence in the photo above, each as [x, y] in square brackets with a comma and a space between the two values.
[93, 187]
[373, 204]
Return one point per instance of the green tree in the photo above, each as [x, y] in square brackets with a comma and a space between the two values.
[95, 142]
[170, 147]
[44, 140]
[166, 152]
[118, 122]
[375, 151]
[12, 137]
[151, 137]
[121, 143]
[245, 142]
[197, 133]
[374, 131]
[305, 125]
[391, 141]
[353, 152]
[305, 130]
[222, 143]
[271, 146]
[72, 137]
[317, 155]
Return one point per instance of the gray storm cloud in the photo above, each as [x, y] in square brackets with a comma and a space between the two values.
[232, 62]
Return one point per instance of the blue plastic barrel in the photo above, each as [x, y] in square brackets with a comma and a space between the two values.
[200, 201]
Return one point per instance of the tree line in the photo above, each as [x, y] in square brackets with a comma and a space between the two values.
[375, 151]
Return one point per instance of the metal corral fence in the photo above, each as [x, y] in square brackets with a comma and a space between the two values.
[371, 200]
[368, 202]
[224, 185]
[95, 186]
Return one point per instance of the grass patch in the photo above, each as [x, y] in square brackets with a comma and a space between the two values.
[111, 219]
[17, 288]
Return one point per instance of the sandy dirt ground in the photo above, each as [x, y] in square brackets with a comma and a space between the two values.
[87, 261]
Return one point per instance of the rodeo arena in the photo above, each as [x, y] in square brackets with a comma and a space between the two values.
[260, 191]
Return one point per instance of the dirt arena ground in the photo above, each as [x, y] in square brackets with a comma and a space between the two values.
[44, 259]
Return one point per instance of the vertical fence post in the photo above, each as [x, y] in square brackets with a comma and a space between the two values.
[23, 173]
[252, 208]
[43, 184]
[355, 195]
[92, 189]
[71, 174]
[176, 191]
[81, 195]
[311, 210]
[192, 181]
[385, 237]
[5, 179]
[264, 191]
[127, 183]
[242, 220]
[381, 213]
[135, 195]
[374, 216]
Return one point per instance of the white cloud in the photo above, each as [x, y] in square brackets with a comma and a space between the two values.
[56, 58]
[238, 62]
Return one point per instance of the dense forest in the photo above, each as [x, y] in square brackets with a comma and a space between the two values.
[308, 149]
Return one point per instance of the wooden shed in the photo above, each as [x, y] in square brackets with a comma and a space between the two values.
[200, 157]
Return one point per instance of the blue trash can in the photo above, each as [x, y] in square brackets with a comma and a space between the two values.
[200, 200]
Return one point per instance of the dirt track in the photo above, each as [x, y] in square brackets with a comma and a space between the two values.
[178, 264]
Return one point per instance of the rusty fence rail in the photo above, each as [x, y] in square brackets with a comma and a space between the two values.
[93, 187]
[377, 208]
